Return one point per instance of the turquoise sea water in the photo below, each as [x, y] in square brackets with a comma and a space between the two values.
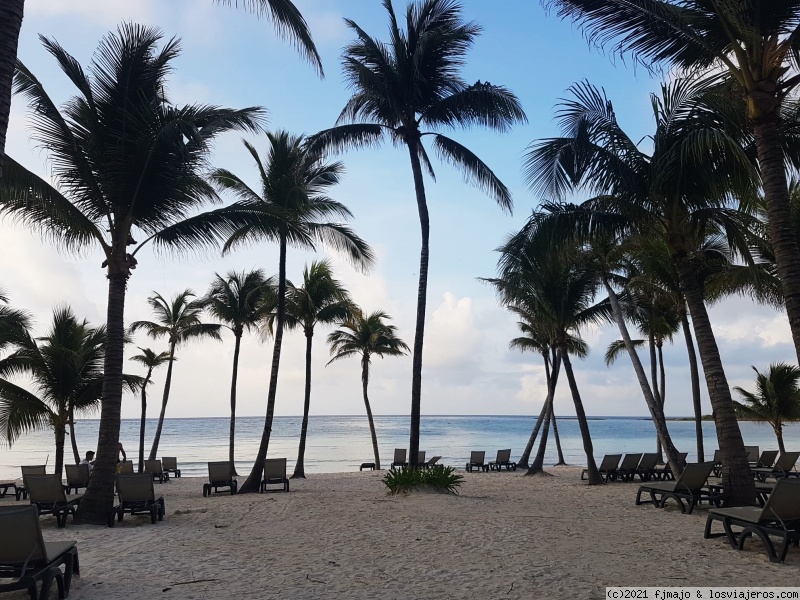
[337, 444]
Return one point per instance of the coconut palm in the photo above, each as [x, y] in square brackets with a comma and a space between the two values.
[756, 43]
[321, 300]
[65, 367]
[150, 360]
[366, 336]
[127, 163]
[14, 323]
[178, 320]
[241, 302]
[776, 399]
[410, 84]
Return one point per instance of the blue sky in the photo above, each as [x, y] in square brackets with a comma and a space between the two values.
[230, 58]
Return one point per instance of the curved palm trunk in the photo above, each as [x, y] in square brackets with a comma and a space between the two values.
[11, 12]
[75, 454]
[594, 474]
[164, 400]
[299, 467]
[253, 481]
[234, 376]
[561, 460]
[422, 292]
[364, 384]
[143, 419]
[656, 412]
[60, 434]
[538, 462]
[695, 377]
[651, 344]
[526, 454]
[99, 496]
[736, 476]
[779, 435]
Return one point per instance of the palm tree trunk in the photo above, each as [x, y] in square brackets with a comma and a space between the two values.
[99, 496]
[694, 374]
[538, 462]
[364, 384]
[422, 292]
[75, 454]
[782, 231]
[526, 454]
[656, 412]
[591, 466]
[299, 467]
[779, 435]
[253, 481]
[561, 460]
[164, 400]
[736, 476]
[11, 12]
[61, 434]
[651, 344]
[143, 419]
[232, 428]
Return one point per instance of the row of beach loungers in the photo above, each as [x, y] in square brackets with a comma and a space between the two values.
[477, 460]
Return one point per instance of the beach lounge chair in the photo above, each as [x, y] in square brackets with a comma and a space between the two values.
[5, 486]
[628, 467]
[752, 454]
[275, 473]
[647, 467]
[156, 470]
[170, 464]
[21, 490]
[399, 458]
[432, 461]
[26, 558]
[608, 467]
[665, 473]
[421, 458]
[779, 517]
[476, 461]
[717, 463]
[503, 459]
[220, 475]
[125, 468]
[137, 497]
[46, 492]
[690, 486]
[783, 467]
[77, 477]
[767, 459]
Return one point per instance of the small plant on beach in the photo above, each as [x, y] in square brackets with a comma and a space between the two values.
[438, 477]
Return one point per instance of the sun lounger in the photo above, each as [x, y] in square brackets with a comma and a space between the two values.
[137, 497]
[46, 492]
[421, 458]
[5, 486]
[275, 473]
[628, 467]
[170, 464]
[766, 460]
[399, 458]
[647, 467]
[26, 558]
[22, 491]
[156, 470]
[608, 467]
[779, 517]
[717, 463]
[476, 461]
[690, 486]
[665, 473]
[752, 454]
[432, 461]
[77, 477]
[125, 468]
[503, 459]
[220, 475]
[783, 467]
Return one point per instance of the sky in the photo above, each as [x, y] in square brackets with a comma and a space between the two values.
[230, 58]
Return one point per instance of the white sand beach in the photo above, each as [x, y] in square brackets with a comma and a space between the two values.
[342, 536]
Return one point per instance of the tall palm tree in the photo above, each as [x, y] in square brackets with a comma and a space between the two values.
[407, 85]
[756, 43]
[367, 336]
[178, 320]
[150, 360]
[776, 399]
[127, 163]
[241, 302]
[65, 367]
[321, 300]
[680, 193]
[14, 323]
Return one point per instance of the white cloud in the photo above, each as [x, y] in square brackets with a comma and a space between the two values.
[99, 12]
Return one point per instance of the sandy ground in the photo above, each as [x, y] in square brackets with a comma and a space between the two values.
[342, 536]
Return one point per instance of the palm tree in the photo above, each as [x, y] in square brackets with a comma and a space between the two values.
[409, 84]
[755, 43]
[179, 321]
[240, 301]
[321, 300]
[367, 336]
[14, 323]
[151, 360]
[776, 399]
[128, 162]
[65, 367]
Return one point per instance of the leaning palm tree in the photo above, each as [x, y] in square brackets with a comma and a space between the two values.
[756, 43]
[241, 302]
[367, 336]
[150, 360]
[405, 86]
[776, 399]
[321, 300]
[178, 320]
[127, 163]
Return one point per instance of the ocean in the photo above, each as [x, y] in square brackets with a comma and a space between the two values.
[342, 443]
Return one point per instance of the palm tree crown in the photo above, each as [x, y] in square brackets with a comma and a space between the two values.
[150, 360]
